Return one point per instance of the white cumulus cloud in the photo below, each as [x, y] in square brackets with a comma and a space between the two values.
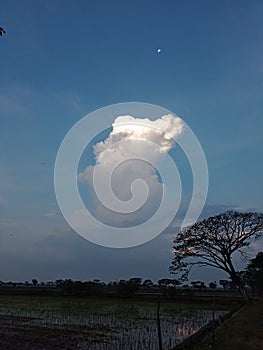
[132, 148]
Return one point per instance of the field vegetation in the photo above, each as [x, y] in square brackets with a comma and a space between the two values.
[99, 323]
[243, 331]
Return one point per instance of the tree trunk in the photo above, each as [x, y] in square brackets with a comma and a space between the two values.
[240, 285]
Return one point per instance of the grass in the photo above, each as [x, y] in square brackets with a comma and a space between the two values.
[244, 331]
[98, 306]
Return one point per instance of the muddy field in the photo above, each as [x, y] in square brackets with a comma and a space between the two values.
[15, 333]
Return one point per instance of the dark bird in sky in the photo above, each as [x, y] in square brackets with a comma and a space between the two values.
[2, 31]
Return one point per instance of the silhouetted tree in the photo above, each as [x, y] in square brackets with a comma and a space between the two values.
[198, 284]
[148, 283]
[164, 282]
[212, 285]
[213, 241]
[225, 284]
[136, 280]
[254, 274]
[127, 288]
[34, 281]
[59, 283]
[175, 282]
[2, 31]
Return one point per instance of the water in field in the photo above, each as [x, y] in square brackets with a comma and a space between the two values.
[110, 324]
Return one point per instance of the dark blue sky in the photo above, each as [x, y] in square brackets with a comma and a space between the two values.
[61, 60]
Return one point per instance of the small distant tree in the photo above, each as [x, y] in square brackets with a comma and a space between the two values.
[225, 284]
[59, 283]
[98, 282]
[68, 287]
[214, 241]
[175, 282]
[164, 282]
[198, 284]
[148, 283]
[111, 285]
[212, 285]
[34, 281]
[126, 288]
[136, 281]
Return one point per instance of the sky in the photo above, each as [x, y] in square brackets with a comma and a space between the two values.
[62, 60]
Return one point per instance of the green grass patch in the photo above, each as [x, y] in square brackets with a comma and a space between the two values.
[243, 331]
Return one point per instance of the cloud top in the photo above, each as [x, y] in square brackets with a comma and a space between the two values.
[130, 152]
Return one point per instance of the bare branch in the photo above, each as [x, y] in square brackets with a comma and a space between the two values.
[213, 241]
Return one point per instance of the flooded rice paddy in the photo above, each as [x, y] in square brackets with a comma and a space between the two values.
[98, 324]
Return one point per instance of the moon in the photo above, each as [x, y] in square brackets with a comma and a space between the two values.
[158, 50]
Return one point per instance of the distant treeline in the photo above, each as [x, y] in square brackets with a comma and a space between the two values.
[251, 277]
[124, 288]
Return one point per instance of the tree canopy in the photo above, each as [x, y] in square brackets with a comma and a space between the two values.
[214, 241]
[253, 274]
